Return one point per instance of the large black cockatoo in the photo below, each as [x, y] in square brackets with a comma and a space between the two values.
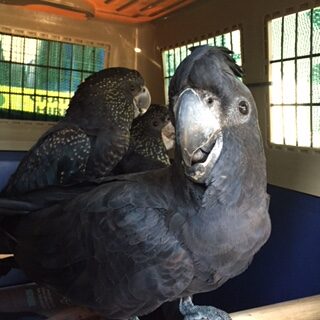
[92, 137]
[135, 241]
[147, 150]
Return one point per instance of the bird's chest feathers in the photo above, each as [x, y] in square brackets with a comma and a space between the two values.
[223, 239]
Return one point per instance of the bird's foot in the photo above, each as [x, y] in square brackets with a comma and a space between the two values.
[193, 312]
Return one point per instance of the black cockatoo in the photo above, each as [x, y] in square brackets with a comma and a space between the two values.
[147, 150]
[135, 241]
[92, 137]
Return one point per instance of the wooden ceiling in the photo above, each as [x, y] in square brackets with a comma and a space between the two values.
[126, 11]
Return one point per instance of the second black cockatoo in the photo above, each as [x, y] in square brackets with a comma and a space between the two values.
[147, 150]
[92, 137]
[136, 241]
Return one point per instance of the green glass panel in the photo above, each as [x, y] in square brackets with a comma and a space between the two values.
[29, 77]
[85, 75]
[65, 80]
[236, 46]
[41, 78]
[304, 31]
[177, 57]
[16, 101]
[288, 82]
[316, 126]
[53, 81]
[66, 55]
[276, 87]
[42, 52]
[54, 54]
[89, 57]
[17, 49]
[220, 41]
[211, 41]
[303, 81]
[171, 62]
[276, 124]
[16, 76]
[316, 31]
[288, 36]
[276, 26]
[303, 126]
[30, 51]
[5, 47]
[166, 89]
[227, 41]
[316, 80]
[99, 59]
[164, 63]
[289, 125]
[4, 74]
[183, 50]
[76, 78]
[77, 57]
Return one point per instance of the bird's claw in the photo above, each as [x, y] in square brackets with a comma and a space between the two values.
[193, 312]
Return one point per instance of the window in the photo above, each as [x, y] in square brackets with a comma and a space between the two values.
[294, 42]
[171, 58]
[38, 77]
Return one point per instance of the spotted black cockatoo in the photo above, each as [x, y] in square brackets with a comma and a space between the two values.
[135, 241]
[92, 137]
[146, 149]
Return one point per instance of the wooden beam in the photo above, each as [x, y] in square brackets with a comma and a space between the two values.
[299, 309]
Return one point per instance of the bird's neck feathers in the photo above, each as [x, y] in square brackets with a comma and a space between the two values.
[98, 110]
[191, 192]
[239, 173]
[150, 147]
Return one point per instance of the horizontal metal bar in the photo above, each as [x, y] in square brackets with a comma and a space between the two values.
[258, 84]
[313, 55]
[10, 63]
[295, 104]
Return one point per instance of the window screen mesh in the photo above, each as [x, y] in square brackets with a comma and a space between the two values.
[171, 58]
[295, 76]
[38, 77]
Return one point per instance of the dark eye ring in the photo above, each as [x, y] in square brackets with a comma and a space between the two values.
[210, 100]
[244, 107]
[155, 123]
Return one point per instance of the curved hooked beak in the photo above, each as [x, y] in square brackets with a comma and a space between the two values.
[141, 101]
[198, 134]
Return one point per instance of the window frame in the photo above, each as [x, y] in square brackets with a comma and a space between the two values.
[20, 135]
[268, 62]
[190, 42]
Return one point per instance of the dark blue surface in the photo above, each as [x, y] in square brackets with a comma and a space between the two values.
[8, 163]
[287, 267]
